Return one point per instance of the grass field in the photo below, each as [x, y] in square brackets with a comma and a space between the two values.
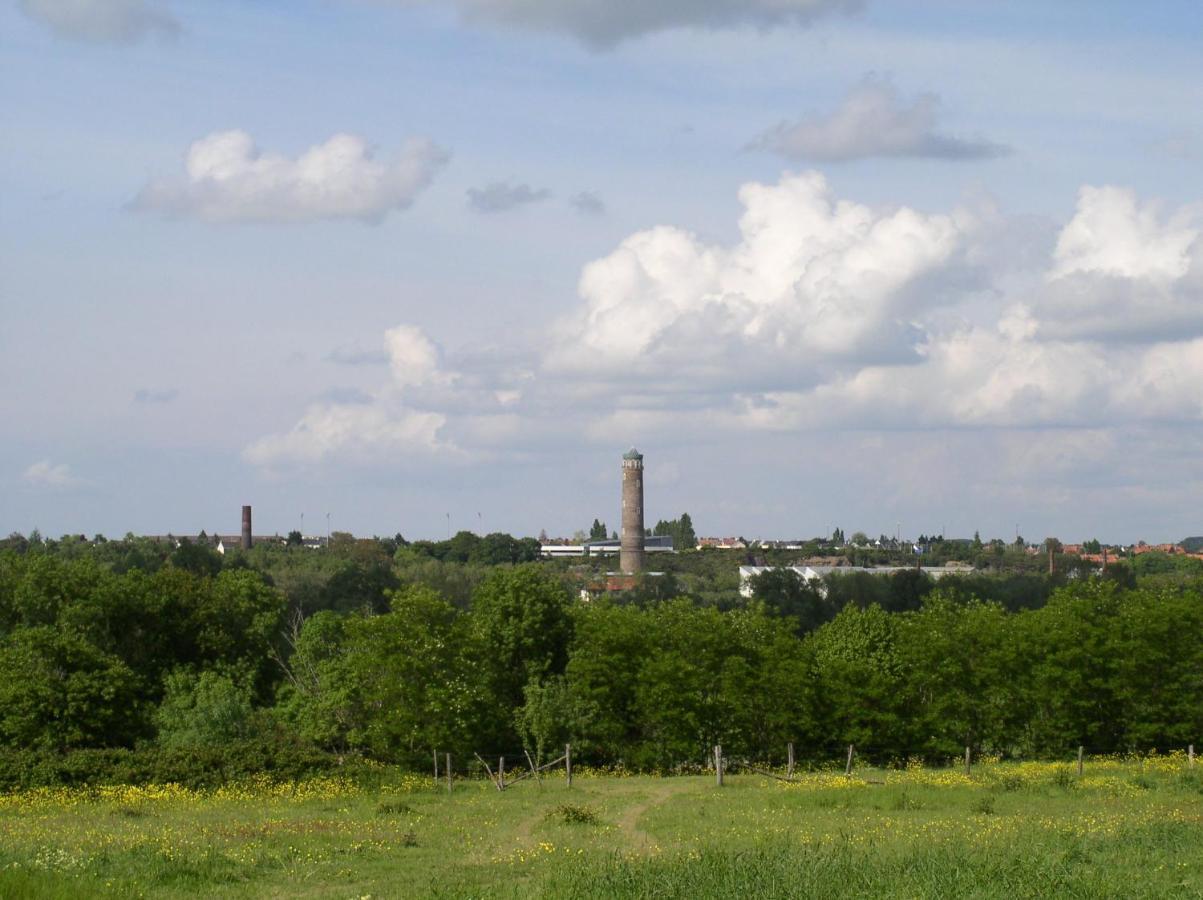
[1125, 829]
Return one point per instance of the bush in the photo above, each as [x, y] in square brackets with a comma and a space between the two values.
[193, 767]
[204, 710]
[571, 814]
[984, 806]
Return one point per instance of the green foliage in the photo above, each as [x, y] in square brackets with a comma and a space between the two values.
[785, 593]
[573, 814]
[203, 710]
[379, 649]
[548, 717]
[683, 535]
[520, 619]
[58, 692]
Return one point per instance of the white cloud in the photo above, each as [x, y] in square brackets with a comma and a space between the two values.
[356, 430]
[874, 120]
[227, 179]
[824, 315]
[413, 358]
[812, 282]
[46, 474]
[501, 196]
[603, 23]
[102, 21]
[1122, 272]
[370, 426]
[1112, 234]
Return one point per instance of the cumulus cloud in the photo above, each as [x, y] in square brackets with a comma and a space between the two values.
[501, 196]
[228, 179]
[102, 21]
[874, 120]
[46, 474]
[604, 23]
[812, 282]
[1123, 272]
[370, 426]
[588, 203]
[1112, 234]
[822, 315]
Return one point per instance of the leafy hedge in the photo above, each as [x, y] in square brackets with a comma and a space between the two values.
[197, 767]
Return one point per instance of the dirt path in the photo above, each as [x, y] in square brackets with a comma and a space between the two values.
[628, 822]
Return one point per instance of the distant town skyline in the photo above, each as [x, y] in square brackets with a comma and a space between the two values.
[429, 264]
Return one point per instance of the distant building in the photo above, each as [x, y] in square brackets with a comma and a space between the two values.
[661, 543]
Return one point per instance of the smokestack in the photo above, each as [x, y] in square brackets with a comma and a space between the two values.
[246, 528]
[630, 552]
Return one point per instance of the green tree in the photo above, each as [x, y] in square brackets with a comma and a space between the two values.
[786, 593]
[203, 710]
[548, 717]
[414, 670]
[520, 618]
[58, 692]
[861, 675]
[321, 697]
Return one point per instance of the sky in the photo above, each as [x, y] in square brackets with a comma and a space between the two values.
[416, 266]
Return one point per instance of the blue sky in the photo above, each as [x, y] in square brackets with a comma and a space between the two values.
[857, 264]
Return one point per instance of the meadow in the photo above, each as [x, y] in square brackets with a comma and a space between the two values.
[1125, 828]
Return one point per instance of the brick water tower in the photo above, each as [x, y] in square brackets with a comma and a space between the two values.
[630, 554]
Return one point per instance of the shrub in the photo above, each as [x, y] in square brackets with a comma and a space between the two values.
[571, 814]
[1063, 777]
[984, 806]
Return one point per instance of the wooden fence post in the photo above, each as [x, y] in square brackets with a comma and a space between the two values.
[501, 773]
[848, 768]
[448, 769]
[436, 768]
[568, 763]
[789, 752]
[533, 771]
[718, 764]
[496, 781]
[968, 758]
[1081, 754]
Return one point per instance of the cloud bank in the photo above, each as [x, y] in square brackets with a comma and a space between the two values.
[587, 203]
[102, 21]
[604, 23]
[228, 179]
[825, 314]
[874, 120]
[501, 196]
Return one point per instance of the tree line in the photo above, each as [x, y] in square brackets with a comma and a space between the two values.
[182, 653]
